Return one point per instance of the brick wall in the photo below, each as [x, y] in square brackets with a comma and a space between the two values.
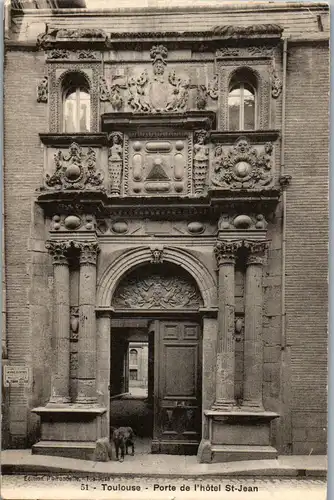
[24, 229]
[306, 243]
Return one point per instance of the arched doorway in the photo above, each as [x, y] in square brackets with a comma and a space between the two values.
[159, 304]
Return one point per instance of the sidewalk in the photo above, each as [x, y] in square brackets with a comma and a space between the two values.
[22, 461]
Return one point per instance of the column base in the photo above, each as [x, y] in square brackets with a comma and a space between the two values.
[69, 430]
[237, 435]
[59, 400]
[224, 405]
[68, 449]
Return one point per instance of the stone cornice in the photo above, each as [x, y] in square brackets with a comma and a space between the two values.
[58, 140]
[189, 120]
[222, 136]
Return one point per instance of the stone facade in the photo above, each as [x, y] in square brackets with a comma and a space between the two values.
[161, 210]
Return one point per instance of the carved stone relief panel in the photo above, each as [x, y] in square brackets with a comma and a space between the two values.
[158, 164]
[74, 168]
[261, 68]
[243, 166]
[159, 86]
[57, 72]
[155, 288]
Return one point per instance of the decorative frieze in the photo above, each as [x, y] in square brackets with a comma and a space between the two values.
[42, 90]
[72, 223]
[201, 160]
[115, 162]
[75, 170]
[250, 51]
[242, 166]
[236, 222]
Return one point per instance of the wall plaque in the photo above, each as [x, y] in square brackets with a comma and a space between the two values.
[15, 376]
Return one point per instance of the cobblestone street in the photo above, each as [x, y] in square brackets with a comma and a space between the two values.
[75, 487]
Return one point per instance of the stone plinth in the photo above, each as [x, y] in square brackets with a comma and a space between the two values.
[69, 430]
[237, 435]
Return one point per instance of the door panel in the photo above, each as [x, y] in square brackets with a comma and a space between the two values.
[177, 406]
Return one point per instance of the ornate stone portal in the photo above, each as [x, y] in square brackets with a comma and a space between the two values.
[157, 162]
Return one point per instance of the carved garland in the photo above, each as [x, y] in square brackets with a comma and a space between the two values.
[91, 72]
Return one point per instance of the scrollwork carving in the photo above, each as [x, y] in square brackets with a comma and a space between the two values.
[42, 90]
[115, 162]
[201, 160]
[58, 54]
[243, 166]
[75, 170]
[157, 291]
[226, 251]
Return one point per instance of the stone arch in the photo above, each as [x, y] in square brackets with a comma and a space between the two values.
[137, 256]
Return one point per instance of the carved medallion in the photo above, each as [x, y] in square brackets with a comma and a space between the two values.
[157, 291]
[75, 170]
[243, 166]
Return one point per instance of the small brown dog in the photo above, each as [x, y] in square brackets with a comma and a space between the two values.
[123, 437]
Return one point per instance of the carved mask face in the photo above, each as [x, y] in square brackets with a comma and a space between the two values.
[158, 67]
[243, 146]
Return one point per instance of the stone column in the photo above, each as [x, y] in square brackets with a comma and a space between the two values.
[87, 339]
[103, 367]
[253, 342]
[61, 322]
[225, 252]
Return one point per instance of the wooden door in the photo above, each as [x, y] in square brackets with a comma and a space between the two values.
[177, 388]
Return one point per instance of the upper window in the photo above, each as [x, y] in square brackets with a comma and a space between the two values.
[76, 104]
[133, 357]
[242, 102]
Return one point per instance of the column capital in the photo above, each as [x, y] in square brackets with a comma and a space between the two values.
[88, 251]
[225, 251]
[58, 250]
[256, 251]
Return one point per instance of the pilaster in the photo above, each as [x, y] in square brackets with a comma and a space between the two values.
[253, 342]
[87, 341]
[225, 252]
[61, 322]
